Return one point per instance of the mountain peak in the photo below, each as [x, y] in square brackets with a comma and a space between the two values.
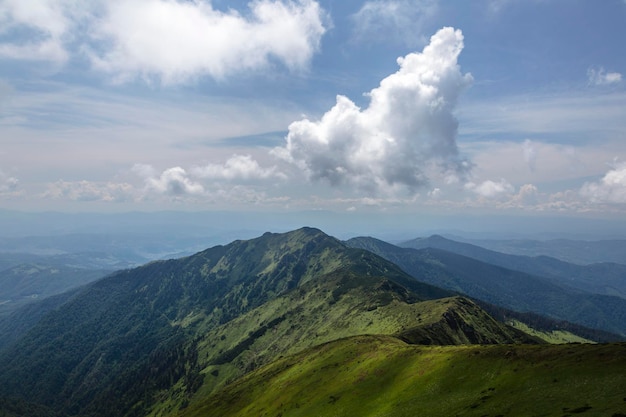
[305, 230]
[219, 314]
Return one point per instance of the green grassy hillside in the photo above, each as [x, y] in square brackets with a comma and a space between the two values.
[378, 376]
[304, 319]
[552, 336]
[122, 343]
[171, 335]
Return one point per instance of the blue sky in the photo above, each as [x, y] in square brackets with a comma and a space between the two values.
[512, 107]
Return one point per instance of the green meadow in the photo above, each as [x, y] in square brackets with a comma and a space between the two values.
[378, 376]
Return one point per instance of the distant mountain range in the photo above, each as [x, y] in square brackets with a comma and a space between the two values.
[510, 281]
[581, 252]
[300, 323]
[27, 282]
[605, 278]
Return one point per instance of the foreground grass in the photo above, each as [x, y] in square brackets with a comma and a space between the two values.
[382, 376]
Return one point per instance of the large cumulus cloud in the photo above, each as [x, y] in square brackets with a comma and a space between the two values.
[171, 41]
[173, 182]
[408, 128]
[178, 40]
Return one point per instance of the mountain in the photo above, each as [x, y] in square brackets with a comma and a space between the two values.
[504, 287]
[580, 252]
[9, 260]
[157, 338]
[105, 248]
[604, 278]
[382, 376]
[18, 322]
[26, 282]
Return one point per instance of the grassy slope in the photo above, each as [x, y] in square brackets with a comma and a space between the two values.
[554, 336]
[124, 339]
[316, 313]
[381, 376]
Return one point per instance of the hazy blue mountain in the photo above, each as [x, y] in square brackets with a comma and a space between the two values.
[24, 283]
[107, 249]
[602, 278]
[580, 252]
[504, 287]
[16, 323]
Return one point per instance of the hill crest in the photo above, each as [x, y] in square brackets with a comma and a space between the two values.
[303, 284]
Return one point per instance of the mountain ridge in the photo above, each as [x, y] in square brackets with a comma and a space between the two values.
[504, 287]
[604, 278]
[81, 355]
[581, 252]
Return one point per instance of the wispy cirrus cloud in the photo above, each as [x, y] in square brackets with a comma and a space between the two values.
[238, 168]
[400, 20]
[90, 191]
[530, 154]
[570, 113]
[599, 76]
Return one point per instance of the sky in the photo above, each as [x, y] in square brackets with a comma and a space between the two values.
[386, 107]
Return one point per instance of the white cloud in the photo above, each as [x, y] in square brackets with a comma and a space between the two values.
[170, 41]
[174, 181]
[530, 154]
[50, 50]
[601, 77]
[402, 19]
[144, 170]
[8, 185]
[90, 191]
[238, 167]
[43, 30]
[610, 189]
[177, 41]
[435, 193]
[575, 114]
[495, 6]
[46, 20]
[490, 189]
[228, 196]
[528, 196]
[408, 128]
